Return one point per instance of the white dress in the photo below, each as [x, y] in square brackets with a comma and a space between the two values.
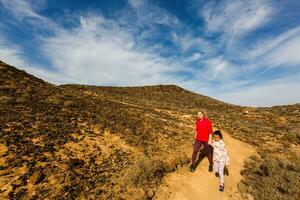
[220, 153]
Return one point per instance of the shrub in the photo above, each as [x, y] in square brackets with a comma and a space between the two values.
[145, 171]
[69, 103]
[21, 100]
[292, 137]
[6, 99]
[272, 178]
[245, 129]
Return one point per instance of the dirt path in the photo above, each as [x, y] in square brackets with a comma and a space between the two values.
[184, 185]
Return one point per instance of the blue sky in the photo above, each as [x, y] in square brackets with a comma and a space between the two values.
[241, 52]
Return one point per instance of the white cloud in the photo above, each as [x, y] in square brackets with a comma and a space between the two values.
[136, 3]
[266, 45]
[98, 54]
[23, 12]
[198, 45]
[99, 51]
[218, 68]
[280, 50]
[147, 14]
[12, 55]
[195, 57]
[236, 17]
[21, 9]
[275, 92]
[287, 53]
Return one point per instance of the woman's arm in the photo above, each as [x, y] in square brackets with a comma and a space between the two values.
[210, 131]
[210, 139]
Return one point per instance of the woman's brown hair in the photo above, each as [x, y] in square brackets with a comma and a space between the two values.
[203, 112]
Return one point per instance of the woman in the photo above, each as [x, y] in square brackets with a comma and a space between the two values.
[203, 134]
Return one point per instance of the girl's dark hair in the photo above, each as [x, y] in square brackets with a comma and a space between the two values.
[218, 133]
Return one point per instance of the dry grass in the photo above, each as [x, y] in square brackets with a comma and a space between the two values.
[272, 178]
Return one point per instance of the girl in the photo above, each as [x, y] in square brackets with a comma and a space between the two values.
[220, 157]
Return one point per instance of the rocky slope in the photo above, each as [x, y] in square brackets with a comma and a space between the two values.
[88, 142]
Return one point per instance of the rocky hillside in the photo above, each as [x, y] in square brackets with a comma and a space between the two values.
[88, 142]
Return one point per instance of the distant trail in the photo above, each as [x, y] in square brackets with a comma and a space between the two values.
[184, 185]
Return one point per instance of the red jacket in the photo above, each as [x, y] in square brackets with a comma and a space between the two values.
[203, 129]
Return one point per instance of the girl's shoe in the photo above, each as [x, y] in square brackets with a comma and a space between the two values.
[217, 174]
[221, 187]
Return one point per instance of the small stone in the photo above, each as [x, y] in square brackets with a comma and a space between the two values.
[36, 177]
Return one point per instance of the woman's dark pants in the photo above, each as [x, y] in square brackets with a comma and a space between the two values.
[197, 146]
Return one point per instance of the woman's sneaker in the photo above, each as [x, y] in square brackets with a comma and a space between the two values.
[221, 187]
[192, 168]
[210, 168]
